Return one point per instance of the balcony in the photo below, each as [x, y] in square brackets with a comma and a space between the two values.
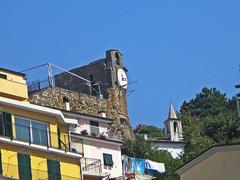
[101, 136]
[91, 166]
[35, 136]
[114, 136]
[10, 170]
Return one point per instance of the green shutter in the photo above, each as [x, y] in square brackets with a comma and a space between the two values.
[53, 170]
[107, 158]
[94, 123]
[24, 167]
[1, 171]
[8, 124]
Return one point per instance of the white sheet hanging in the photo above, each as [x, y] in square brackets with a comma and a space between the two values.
[160, 167]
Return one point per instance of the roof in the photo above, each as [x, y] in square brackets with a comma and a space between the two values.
[77, 135]
[172, 114]
[166, 141]
[13, 72]
[38, 109]
[86, 115]
[204, 155]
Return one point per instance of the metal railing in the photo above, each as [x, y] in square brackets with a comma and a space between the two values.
[37, 85]
[96, 134]
[13, 171]
[91, 165]
[114, 136]
[41, 137]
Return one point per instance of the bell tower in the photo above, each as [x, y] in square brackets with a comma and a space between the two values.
[173, 126]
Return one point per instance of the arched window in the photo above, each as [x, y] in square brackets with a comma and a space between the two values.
[175, 126]
[117, 58]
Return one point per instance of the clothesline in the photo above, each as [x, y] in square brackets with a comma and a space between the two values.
[141, 166]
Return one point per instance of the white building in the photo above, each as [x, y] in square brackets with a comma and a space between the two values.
[173, 141]
[101, 149]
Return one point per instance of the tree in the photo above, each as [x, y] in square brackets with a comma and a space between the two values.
[136, 148]
[141, 148]
[150, 130]
[170, 164]
[209, 102]
[208, 119]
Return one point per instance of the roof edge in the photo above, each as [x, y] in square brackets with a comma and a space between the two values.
[206, 154]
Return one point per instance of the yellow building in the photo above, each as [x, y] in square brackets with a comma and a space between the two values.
[217, 163]
[34, 140]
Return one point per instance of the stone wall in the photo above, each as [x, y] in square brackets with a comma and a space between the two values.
[115, 105]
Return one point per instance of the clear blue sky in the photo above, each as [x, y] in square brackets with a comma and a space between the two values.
[173, 48]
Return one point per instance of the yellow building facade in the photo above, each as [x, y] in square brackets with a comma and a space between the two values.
[35, 141]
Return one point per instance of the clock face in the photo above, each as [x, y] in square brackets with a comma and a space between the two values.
[122, 78]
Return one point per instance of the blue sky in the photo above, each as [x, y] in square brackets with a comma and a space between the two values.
[172, 48]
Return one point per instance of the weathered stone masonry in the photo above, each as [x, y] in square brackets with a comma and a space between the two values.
[114, 106]
[104, 94]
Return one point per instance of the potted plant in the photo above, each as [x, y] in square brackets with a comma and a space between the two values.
[84, 132]
[102, 136]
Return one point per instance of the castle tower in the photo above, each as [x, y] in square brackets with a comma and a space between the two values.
[173, 126]
[109, 81]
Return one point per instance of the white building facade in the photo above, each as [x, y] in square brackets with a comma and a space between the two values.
[101, 149]
[173, 142]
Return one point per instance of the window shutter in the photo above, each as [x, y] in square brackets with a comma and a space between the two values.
[1, 171]
[94, 123]
[8, 124]
[24, 166]
[107, 158]
[53, 170]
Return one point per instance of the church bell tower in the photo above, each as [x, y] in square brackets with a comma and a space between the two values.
[173, 126]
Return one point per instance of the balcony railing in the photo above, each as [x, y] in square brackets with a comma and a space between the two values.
[103, 135]
[41, 137]
[114, 136]
[91, 165]
[12, 171]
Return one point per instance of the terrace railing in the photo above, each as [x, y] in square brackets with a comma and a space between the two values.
[91, 165]
[41, 137]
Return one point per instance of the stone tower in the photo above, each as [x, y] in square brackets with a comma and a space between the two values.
[101, 73]
[108, 81]
[173, 126]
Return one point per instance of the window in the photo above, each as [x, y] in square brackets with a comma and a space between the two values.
[3, 76]
[22, 129]
[24, 166]
[31, 131]
[2, 124]
[94, 128]
[122, 121]
[53, 170]
[107, 159]
[39, 133]
[117, 58]
[175, 126]
[5, 124]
